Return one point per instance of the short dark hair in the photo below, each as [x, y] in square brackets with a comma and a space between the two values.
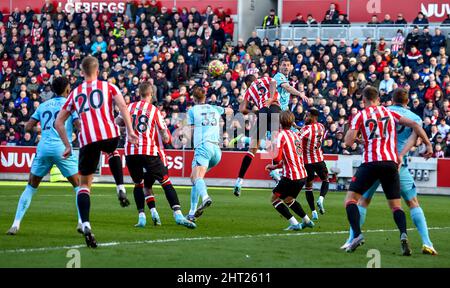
[285, 59]
[314, 112]
[287, 118]
[59, 85]
[249, 79]
[400, 96]
[370, 93]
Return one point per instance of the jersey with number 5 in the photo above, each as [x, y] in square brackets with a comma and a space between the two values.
[93, 101]
[46, 114]
[206, 120]
[377, 126]
[147, 121]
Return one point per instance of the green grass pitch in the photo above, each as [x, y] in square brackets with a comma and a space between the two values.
[233, 232]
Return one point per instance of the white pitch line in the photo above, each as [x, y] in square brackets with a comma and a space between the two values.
[170, 240]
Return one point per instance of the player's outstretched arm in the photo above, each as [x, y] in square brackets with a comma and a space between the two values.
[63, 115]
[30, 125]
[294, 91]
[420, 132]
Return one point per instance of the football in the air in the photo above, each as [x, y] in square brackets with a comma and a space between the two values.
[216, 68]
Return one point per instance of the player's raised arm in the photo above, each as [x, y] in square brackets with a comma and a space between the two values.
[273, 92]
[419, 131]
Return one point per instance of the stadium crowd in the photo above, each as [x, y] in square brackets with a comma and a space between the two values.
[170, 48]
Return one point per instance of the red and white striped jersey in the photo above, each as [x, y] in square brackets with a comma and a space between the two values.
[377, 126]
[290, 151]
[93, 101]
[259, 92]
[312, 137]
[147, 121]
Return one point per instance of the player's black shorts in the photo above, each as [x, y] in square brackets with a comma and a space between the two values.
[90, 154]
[153, 166]
[385, 171]
[288, 188]
[319, 169]
[267, 116]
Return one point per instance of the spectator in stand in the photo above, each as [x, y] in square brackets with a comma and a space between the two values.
[374, 21]
[431, 90]
[437, 41]
[400, 20]
[48, 7]
[397, 42]
[387, 84]
[387, 20]
[381, 47]
[446, 20]
[412, 39]
[332, 13]
[310, 20]
[421, 19]
[341, 20]
[327, 20]
[228, 27]
[412, 57]
[443, 127]
[271, 20]
[254, 38]
[356, 46]
[218, 35]
[424, 39]
[298, 20]
[369, 47]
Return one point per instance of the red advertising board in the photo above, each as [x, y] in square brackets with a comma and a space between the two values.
[230, 6]
[362, 10]
[443, 179]
[19, 160]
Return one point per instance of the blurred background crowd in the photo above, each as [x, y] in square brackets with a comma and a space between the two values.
[171, 47]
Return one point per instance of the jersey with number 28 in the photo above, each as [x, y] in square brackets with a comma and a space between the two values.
[93, 101]
[377, 126]
[206, 119]
[46, 113]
